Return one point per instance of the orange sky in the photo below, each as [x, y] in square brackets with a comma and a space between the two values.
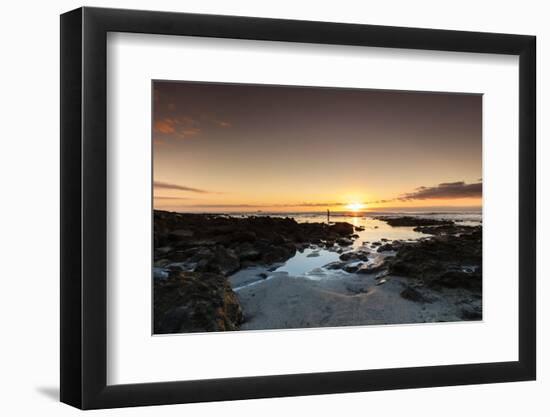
[239, 148]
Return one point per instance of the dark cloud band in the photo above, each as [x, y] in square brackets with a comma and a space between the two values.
[168, 186]
[445, 190]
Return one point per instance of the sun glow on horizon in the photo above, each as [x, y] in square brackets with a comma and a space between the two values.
[355, 206]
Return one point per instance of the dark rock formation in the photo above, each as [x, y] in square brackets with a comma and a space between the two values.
[352, 268]
[195, 302]
[385, 247]
[219, 260]
[471, 313]
[344, 241]
[258, 239]
[375, 266]
[445, 229]
[335, 265]
[413, 221]
[412, 294]
[357, 255]
[451, 261]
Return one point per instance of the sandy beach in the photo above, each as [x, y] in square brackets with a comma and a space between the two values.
[285, 301]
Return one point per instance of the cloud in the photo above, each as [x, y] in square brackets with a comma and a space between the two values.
[445, 190]
[317, 204]
[168, 186]
[183, 127]
[161, 197]
[186, 126]
[380, 201]
[165, 126]
[223, 123]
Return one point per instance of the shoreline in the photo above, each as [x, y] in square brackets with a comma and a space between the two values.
[436, 277]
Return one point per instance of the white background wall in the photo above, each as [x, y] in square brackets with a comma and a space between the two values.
[29, 175]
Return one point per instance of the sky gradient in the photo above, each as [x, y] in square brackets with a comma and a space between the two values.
[239, 147]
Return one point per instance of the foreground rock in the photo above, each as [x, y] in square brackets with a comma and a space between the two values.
[451, 261]
[450, 258]
[195, 253]
[195, 302]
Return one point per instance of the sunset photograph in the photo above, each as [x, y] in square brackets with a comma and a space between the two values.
[286, 207]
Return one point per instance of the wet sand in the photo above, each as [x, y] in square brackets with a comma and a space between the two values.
[282, 301]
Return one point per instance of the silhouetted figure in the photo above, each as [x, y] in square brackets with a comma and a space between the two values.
[328, 216]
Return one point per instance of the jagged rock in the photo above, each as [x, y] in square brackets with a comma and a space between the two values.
[342, 228]
[412, 294]
[385, 247]
[344, 241]
[413, 221]
[381, 274]
[375, 266]
[247, 252]
[277, 254]
[471, 313]
[458, 279]
[195, 302]
[221, 260]
[445, 229]
[161, 262]
[335, 265]
[440, 261]
[243, 236]
[352, 268]
[181, 233]
[358, 255]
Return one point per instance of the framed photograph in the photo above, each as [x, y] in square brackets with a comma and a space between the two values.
[257, 208]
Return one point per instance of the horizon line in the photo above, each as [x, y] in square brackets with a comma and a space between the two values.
[377, 209]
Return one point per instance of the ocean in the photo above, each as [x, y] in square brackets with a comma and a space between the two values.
[368, 228]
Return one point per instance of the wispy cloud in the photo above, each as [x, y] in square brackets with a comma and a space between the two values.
[319, 204]
[162, 197]
[223, 123]
[169, 186]
[445, 190]
[183, 127]
[165, 126]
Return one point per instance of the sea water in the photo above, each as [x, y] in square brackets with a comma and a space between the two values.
[369, 228]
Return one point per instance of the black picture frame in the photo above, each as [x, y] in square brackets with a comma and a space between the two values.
[84, 207]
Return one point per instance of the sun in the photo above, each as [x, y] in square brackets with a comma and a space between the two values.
[355, 206]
